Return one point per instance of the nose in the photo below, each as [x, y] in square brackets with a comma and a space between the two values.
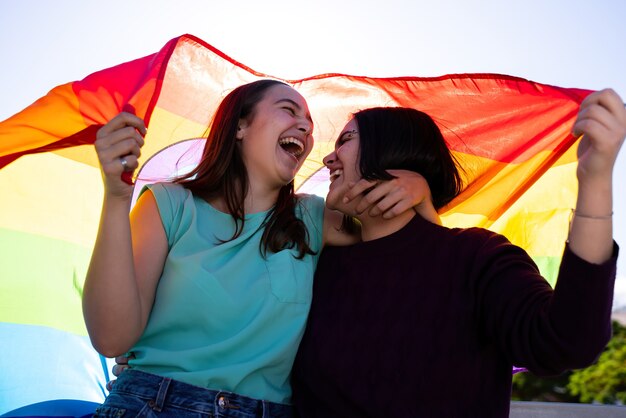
[330, 160]
[305, 126]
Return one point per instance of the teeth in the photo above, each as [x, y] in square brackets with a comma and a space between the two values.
[335, 174]
[295, 141]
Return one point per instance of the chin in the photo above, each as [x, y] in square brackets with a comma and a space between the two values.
[287, 177]
[332, 200]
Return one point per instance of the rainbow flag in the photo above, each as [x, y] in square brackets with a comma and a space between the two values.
[511, 136]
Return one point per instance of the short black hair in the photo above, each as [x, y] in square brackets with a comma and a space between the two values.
[408, 139]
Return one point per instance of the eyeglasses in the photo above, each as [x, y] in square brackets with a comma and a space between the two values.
[346, 136]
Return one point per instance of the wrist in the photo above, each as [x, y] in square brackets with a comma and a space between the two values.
[595, 216]
[114, 200]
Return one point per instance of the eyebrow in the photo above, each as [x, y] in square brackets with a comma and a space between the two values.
[296, 105]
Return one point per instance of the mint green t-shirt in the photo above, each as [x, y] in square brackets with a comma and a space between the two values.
[224, 317]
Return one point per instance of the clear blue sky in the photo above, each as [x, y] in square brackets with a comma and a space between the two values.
[569, 43]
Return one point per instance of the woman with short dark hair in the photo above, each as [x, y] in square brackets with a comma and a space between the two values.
[420, 320]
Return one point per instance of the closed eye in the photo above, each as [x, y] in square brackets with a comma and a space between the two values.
[290, 110]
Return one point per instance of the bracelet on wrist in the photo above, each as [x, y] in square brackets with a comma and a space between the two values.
[598, 217]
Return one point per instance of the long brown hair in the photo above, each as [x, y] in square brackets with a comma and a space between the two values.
[222, 173]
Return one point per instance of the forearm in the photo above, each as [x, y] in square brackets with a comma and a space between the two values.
[111, 300]
[601, 124]
[579, 313]
[591, 230]
[546, 330]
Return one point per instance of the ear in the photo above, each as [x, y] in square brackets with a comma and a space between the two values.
[241, 129]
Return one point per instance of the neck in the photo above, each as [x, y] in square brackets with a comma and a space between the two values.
[263, 190]
[256, 200]
[377, 227]
[261, 195]
[259, 201]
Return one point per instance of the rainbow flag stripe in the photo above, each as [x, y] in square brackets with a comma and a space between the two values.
[511, 136]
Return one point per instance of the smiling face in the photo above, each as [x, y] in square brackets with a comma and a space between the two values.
[276, 139]
[343, 164]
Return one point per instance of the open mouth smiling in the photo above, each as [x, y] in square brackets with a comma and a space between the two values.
[335, 174]
[292, 145]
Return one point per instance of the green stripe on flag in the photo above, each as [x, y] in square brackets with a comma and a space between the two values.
[41, 281]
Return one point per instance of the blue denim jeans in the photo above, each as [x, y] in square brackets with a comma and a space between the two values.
[139, 394]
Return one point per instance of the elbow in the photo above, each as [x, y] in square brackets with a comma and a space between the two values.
[580, 361]
[578, 356]
[592, 349]
[587, 357]
[109, 336]
[110, 340]
[109, 347]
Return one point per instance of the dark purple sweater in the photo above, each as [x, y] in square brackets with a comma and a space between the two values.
[427, 322]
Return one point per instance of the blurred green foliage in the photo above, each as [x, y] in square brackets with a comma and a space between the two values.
[603, 382]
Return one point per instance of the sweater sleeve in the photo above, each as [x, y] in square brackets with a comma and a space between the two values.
[547, 331]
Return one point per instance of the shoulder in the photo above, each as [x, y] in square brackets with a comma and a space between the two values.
[171, 200]
[485, 247]
[478, 237]
[310, 200]
[168, 194]
[311, 207]
[165, 189]
[494, 254]
[473, 238]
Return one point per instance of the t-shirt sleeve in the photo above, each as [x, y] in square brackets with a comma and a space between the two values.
[547, 331]
[169, 198]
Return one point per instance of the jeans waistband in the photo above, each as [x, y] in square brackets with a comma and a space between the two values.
[161, 391]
